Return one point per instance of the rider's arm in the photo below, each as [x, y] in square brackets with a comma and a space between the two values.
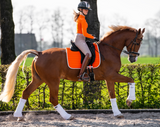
[84, 29]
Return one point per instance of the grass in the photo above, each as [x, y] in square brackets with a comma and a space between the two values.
[29, 61]
[141, 60]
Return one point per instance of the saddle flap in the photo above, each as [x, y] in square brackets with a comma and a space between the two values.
[91, 48]
[74, 58]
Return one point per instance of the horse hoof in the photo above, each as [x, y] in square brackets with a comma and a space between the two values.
[128, 102]
[71, 118]
[20, 119]
[120, 116]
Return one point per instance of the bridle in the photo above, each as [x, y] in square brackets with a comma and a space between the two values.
[132, 43]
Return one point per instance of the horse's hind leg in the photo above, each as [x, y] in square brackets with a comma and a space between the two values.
[54, 88]
[116, 112]
[36, 82]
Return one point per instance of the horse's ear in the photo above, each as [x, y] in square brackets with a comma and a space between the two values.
[143, 30]
[139, 31]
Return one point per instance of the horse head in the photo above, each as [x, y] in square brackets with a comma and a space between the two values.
[122, 36]
[133, 45]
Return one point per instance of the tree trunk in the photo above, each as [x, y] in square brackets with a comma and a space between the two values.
[91, 89]
[156, 46]
[0, 13]
[92, 19]
[7, 32]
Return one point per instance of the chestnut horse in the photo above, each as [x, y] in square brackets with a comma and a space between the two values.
[50, 66]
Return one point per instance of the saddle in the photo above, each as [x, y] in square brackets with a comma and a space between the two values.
[75, 58]
[91, 48]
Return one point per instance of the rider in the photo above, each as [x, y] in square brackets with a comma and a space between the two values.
[79, 18]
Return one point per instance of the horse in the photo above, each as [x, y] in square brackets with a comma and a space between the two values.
[50, 66]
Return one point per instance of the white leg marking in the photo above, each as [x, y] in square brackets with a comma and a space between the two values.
[18, 112]
[62, 112]
[131, 95]
[115, 107]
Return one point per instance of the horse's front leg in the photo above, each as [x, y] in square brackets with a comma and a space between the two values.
[120, 78]
[131, 95]
[116, 112]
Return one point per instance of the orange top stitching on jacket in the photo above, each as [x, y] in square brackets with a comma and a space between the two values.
[82, 27]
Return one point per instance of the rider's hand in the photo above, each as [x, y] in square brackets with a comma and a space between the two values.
[96, 39]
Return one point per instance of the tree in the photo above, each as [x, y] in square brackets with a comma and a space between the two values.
[7, 32]
[154, 25]
[21, 26]
[57, 24]
[30, 14]
[116, 19]
[92, 19]
[148, 40]
[41, 22]
[21, 21]
[92, 89]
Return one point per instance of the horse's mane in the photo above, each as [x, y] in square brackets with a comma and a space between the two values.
[117, 28]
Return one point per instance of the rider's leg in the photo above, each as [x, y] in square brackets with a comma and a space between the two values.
[83, 67]
[81, 44]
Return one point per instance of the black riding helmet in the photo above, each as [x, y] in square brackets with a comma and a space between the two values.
[84, 5]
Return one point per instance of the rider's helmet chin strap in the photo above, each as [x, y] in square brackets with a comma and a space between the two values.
[81, 12]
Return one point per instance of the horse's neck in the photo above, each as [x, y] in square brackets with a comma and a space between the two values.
[118, 40]
[115, 42]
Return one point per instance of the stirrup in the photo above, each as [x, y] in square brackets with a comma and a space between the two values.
[82, 78]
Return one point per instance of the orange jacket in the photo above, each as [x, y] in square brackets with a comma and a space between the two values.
[82, 27]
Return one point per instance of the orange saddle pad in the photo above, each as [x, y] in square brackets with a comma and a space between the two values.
[74, 58]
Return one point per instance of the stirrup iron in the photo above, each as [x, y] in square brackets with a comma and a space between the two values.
[82, 78]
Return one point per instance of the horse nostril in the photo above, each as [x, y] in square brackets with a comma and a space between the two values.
[131, 59]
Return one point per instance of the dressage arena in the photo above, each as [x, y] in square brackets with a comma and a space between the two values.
[141, 119]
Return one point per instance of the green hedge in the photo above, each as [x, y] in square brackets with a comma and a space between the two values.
[81, 95]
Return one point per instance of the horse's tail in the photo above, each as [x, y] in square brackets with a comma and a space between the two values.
[8, 90]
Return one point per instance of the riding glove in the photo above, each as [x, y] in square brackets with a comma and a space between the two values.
[96, 39]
